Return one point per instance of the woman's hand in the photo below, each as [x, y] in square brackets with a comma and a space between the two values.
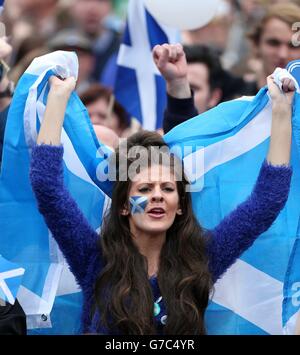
[281, 132]
[60, 91]
[62, 87]
[284, 97]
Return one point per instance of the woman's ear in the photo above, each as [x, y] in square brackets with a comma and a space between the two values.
[124, 211]
[179, 211]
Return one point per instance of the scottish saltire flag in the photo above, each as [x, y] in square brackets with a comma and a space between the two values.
[139, 87]
[138, 204]
[231, 141]
[48, 294]
[10, 280]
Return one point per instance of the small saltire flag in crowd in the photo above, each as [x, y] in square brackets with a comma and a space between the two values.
[10, 280]
[48, 294]
[233, 140]
[139, 87]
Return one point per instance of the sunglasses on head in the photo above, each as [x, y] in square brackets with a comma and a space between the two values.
[274, 42]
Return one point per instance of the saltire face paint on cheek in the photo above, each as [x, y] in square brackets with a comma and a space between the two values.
[138, 204]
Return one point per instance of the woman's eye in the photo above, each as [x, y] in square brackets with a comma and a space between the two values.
[144, 189]
[169, 189]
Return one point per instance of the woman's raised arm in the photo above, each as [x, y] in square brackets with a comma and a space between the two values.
[69, 227]
[237, 231]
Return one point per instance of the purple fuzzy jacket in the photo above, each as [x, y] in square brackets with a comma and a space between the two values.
[78, 241]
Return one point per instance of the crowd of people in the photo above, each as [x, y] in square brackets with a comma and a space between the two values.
[158, 248]
[226, 59]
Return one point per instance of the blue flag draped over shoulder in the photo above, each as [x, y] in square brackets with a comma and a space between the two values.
[48, 294]
[230, 142]
[139, 87]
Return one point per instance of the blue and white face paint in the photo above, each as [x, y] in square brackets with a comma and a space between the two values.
[138, 204]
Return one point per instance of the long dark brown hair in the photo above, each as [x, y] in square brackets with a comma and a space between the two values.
[123, 294]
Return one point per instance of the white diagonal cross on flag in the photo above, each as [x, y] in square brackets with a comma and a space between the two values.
[9, 271]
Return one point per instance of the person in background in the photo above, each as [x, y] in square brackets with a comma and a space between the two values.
[104, 110]
[106, 136]
[195, 86]
[246, 13]
[40, 15]
[274, 41]
[31, 23]
[215, 33]
[204, 74]
[90, 17]
[79, 42]
[210, 83]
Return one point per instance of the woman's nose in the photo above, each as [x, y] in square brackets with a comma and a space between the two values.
[157, 195]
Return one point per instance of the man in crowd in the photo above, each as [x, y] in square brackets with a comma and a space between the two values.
[275, 43]
[90, 16]
[276, 39]
[195, 81]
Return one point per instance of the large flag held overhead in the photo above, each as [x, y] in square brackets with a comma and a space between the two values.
[255, 296]
[139, 87]
[48, 294]
[233, 140]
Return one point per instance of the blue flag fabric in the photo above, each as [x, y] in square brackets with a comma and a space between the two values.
[10, 280]
[231, 141]
[48, 294]
[139, 87]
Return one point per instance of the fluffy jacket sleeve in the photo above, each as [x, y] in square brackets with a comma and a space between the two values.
[240, 228]
[76, 239]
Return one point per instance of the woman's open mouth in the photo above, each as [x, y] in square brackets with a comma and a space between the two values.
[156, 212]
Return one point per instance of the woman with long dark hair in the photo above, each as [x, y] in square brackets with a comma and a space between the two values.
[152, 269]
